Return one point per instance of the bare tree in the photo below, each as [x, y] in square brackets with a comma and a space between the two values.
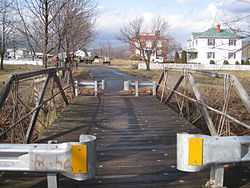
[5, 23]
[79, 20]
[132, 35]
[59, 25]
[38, 26]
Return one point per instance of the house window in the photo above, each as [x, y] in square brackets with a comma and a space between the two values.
[159, 44]
[231, 55]
[211, 42]
[210, 55]
[196, 42]
[232, 42]
[148, 44]
[159, 53]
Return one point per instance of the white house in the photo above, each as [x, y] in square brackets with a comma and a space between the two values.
[19, 53]
[82, 54]
[214, 46]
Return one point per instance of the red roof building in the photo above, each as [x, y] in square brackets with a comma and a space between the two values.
[157, 44]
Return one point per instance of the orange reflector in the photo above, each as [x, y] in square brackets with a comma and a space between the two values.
[79, 159]
[195, 151]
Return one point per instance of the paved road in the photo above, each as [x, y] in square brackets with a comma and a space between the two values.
[113, 79]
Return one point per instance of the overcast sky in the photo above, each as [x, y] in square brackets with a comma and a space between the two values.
[183, 16]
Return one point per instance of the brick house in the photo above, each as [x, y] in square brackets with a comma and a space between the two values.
[153, 42]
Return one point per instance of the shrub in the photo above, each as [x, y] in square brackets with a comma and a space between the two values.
[184, 57]
[135, 58]
[247, 62]
[212, 62]
[134, 66]
[242, 62]
[226, 62]
[237, 63]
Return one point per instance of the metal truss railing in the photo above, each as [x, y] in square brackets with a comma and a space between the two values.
[32, 98]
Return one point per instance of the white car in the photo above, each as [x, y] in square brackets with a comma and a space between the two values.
[158, 60]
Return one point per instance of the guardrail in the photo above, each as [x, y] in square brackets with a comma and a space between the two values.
[196, 152]
[185, 93]
[140, 84]
[75, 160]
[30, 98]
[97, 86]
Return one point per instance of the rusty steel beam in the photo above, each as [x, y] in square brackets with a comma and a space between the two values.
[203, 108]
[241, 92]
[160, 81]
[36, 112]
[57, 80]
[178, 83]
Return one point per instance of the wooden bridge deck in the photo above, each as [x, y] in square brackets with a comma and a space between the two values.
[136, 142]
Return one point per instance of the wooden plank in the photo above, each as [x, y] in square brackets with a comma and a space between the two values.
[134, 142]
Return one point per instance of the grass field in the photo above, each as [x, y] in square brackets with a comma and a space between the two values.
[11, 69]
[129, 67]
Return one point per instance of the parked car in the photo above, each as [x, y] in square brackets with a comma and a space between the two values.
[107, 60]
[158, 59]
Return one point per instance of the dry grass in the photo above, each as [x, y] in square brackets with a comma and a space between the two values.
[130, 67]
[11, 69]
[82, 72]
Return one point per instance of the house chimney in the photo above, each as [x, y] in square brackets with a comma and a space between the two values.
[218, 28]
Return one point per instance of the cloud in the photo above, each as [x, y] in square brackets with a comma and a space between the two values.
[186, 1]
[234, 6]
[182, 23]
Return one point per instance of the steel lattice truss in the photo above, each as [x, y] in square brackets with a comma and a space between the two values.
[30, 102]
[224, 110]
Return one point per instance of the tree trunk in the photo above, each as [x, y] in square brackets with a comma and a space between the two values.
[147, 65]
[2, 58]
[3, 46]
[46, 25]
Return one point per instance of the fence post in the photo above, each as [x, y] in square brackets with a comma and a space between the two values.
[76, 88]
[126, 86]
[103, 84]
[216, 176]
[154, 88]
[52, 178]
[96, 88]
[137, 88]
[71, 79]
